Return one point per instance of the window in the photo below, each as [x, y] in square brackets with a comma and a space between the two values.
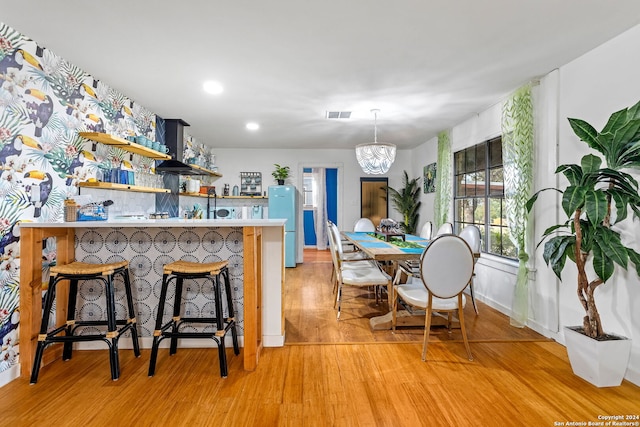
[309, 188]
[479, 196]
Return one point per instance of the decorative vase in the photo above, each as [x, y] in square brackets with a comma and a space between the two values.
[602, 363]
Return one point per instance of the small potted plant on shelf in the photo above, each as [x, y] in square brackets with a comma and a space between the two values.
[597, 197]
[280, 173]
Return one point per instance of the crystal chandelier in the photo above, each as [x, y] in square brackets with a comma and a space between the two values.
[375, 157]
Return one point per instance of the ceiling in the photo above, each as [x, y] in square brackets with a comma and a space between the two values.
[425, 64]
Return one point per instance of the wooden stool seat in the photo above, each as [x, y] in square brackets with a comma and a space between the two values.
[66, 334]
[178, 272]
[187, 267]
[84, 268]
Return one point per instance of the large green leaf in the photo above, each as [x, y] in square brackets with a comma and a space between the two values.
[620, 201]
[573, 173]
[585, 132]
[634, 112]
[590, 163]
[631, 155]
[595, 204]
[532, 200]
[609, 242]
[634, 257]
[617, 119]
[555, 253]
[602, 264]
[573, 199]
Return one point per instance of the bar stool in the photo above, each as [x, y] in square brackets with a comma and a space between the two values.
[179, 271]
[75, 272]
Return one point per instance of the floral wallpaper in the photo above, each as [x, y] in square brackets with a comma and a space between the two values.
[44, 102]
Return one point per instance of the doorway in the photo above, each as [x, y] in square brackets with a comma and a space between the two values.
[331, 188]
[373, 199]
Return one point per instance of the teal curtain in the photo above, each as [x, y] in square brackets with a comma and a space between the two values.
[517, 152]
[444, 189]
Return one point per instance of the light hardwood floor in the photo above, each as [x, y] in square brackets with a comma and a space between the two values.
[328, 373]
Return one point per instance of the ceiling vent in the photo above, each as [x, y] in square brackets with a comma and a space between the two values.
[338, 114]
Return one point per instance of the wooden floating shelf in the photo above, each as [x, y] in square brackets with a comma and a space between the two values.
[223, 197]
[207, 171]
[123, 144]
[123, 187]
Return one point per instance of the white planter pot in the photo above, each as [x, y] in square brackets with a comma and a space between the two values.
[602, 363]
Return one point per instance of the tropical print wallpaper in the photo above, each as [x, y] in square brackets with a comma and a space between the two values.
[44, 102]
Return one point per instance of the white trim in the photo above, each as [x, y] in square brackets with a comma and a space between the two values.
[9, 375]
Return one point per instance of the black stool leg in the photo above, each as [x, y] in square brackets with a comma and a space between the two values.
[71, 315]
[222, 354]
[112, 328]
[157, 333]
[176, 315]
[42, 343]
[232, 314]
[132, 312]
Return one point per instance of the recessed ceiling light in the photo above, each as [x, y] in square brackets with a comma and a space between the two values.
[253, 126]
[212, 87]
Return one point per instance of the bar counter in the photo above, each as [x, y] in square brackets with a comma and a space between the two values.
[254, 248]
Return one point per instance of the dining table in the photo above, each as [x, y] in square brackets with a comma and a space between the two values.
[390, 250]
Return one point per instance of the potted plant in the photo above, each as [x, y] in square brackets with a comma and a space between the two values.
[598, 196]
[280, 173]
[406, 202]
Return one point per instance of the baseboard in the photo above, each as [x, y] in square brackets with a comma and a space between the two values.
[273, 340]
[10, 374]
[532, 324]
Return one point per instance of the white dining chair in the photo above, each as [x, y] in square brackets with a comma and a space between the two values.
[426, 232]
[334, 240]
[471, 235]
[446, 228]
[355, 272]
[364, 224]
[446, 267]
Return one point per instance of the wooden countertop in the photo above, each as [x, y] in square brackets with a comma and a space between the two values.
[171, 222]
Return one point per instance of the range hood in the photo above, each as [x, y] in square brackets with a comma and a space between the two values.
[174, 140]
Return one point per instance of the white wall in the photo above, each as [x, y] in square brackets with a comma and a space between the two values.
[422, 156]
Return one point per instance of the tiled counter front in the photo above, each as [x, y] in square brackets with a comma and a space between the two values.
[148, 250]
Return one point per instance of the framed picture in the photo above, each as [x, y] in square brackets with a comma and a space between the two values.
[429, 178]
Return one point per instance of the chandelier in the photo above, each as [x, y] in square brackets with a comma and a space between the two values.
[375, 157]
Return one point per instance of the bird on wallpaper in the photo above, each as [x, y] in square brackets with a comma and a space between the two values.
[39, 113]
[78, 162]
[14, 148]
[16, 61]
[10, 237]
[46, 185]
[123, 113]
[99, 126]
[72, 101]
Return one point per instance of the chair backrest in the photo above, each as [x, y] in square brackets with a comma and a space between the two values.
[446, 266]
[364, 224]
[337, 240]
[333, 246]
[426, 232]
[471, 235]
[445, 228]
